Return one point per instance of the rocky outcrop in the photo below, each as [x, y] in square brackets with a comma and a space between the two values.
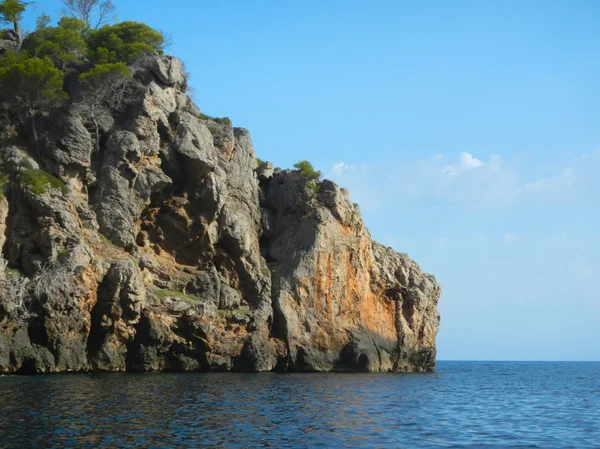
[342, 302]
[10, 41]
[170, 249]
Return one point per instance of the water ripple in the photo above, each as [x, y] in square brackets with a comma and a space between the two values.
[462, 405]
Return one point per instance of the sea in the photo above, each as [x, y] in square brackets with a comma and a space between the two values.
[460, 405]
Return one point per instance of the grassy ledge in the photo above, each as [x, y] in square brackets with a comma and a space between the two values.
[40, 182]
[161, 294]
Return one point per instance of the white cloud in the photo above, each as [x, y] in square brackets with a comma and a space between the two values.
[471, 182]
[358, 178]
[339, 168]
[509, 238]
[467, 162]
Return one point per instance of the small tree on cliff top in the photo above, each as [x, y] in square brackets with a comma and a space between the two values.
[94, 13]
[123, 42]
[30, 87]
[310, 175]
[42, 22]
[11, 11]
[307, 170]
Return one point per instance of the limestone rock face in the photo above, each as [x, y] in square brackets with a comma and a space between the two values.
[9, 41]
[343, 302]
[170, 249]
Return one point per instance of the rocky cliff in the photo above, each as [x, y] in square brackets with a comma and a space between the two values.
[170, 248]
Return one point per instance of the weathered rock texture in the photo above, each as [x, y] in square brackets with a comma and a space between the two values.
[170, 249]
[10, 40]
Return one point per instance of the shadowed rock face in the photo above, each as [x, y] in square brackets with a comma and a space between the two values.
[170, 249]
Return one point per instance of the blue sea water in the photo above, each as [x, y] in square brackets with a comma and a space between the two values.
[462, 404]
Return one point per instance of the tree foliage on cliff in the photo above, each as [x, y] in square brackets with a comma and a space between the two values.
[123, 42]
[42, 22]
[63, 44]
[307, 170]
[32, 79]
[11, 11]
[310, 175]
[70, 43]
[30, 86]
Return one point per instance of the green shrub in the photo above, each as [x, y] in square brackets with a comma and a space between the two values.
[39, 181]
[307, 170]
[31, 85]
[123, 42]
[225, 121]
[162, 293]
[237, 313]
[310, 175]
[101, 73]
[313, 185]
[27, 163]
[63, 44]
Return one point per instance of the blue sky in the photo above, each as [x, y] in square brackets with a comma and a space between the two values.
[468, 132]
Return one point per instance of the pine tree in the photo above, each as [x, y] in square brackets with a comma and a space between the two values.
[30, 87]
[11, 11]
[105, 90]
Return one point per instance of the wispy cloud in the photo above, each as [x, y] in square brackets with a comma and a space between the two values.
[339, 168]
[359, 179]
[342, 167]
[473, 180]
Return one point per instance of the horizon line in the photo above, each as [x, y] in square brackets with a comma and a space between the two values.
[522, 360]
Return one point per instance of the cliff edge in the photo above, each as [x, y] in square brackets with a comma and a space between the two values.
[164, 245]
